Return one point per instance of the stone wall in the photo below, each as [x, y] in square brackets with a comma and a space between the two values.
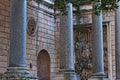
[110, 16]
[4, 34]
[44, 39]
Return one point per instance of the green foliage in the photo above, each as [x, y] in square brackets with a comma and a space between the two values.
[104, 4]
[61, 4]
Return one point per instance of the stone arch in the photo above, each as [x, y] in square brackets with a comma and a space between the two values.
[43, 65]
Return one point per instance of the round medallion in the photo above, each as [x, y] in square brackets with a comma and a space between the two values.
[31, 26]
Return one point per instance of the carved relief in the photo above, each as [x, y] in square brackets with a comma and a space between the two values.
[83, 51]
[31, 26]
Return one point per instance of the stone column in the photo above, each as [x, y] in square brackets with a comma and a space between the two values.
[98, 55]
[66, 40]
[70, 44]
[17, 58]
[67, 45]
[17, 33]
[117, 42]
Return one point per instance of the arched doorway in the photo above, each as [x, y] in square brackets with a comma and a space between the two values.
[43, 62]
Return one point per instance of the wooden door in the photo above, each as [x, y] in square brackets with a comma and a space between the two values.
[43, 63]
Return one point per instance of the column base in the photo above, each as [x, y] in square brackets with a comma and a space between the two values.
[17, 73]
[98, 76]
[117, 78]
[69, 74]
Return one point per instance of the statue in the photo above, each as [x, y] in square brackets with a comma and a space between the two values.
[83, 50]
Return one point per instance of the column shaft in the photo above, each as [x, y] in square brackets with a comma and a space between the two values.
[98, 57]
[66, 40]
[70, 37]
[17, 33]
[117, 42]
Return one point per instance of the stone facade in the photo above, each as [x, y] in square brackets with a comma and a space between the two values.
[85, 20]
[44, 38]
[47, 37]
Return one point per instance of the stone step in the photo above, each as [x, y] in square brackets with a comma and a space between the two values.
[98, 79]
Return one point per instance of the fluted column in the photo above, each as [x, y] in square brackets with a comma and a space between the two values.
[66, 40]
[117, 42]
[17, 33]
[97, 31]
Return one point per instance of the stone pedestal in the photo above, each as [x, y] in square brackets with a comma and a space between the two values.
[17, 73]
[69, 75]
[98, 77]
